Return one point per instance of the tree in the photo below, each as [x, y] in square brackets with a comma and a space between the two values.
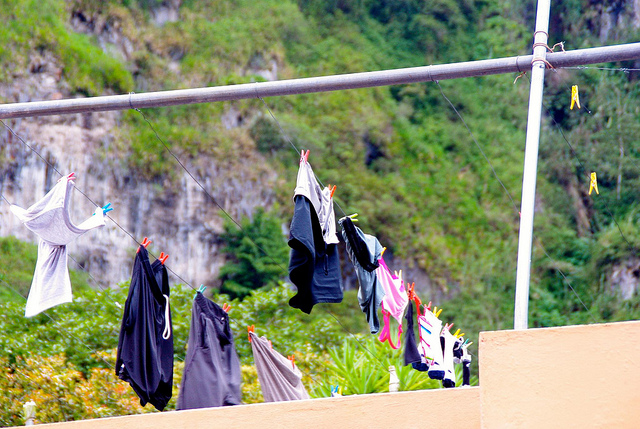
[256, 254]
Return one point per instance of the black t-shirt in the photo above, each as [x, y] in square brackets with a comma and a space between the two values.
[314, 266]
[145, 358]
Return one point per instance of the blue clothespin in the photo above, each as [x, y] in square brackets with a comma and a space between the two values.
[106, 209]
[336, 391]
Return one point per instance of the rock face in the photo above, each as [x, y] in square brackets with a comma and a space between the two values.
[625, 278]
[181, 219]
[183, 222]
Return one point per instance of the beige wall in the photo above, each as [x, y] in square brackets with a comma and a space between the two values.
[569, 377]
[459, 408]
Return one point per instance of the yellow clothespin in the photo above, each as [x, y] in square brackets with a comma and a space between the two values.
[594, 183]
[383, 249]
[457, 334]
[575, 98]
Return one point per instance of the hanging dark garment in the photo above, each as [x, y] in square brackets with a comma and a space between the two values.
[212, 373]
[411, 353]
[357, 242]
[314, 266]
[145, 346]
[365, 248]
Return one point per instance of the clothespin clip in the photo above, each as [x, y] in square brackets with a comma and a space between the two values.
[353, 217]
[270, 345]
[383, 250]
[336, 391]
[304, 156]
[575, 98]
[250, 328]
[292, 358]
[457, 334]
[163, 257]
[145, 243]
[594, 183]
[70, 176]
[106, 209]
[427, 307]
[436, 312]
[201, 289]
[226, 307]
[333, 190]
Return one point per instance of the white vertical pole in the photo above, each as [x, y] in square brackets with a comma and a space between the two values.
[523, 273]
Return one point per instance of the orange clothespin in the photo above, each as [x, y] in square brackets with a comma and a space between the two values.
[250, 328]
[226, 307]
[575, 97]
[292, 358]
[145, 243]
[594, 183]
[163, 257]
[333, 190]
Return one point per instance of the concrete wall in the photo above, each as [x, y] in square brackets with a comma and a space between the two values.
[459, 408]
[569, 377]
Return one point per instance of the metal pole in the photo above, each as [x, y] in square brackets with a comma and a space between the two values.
[523, 271]
[318, 84]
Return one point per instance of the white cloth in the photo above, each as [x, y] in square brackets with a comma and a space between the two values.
[308, 186]
[49, 220]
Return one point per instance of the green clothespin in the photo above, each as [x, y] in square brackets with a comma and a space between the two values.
[201, 289]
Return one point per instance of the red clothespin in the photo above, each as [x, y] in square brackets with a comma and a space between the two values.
[292, 358]
[251, 328]
[304, 156]
[333, 190]
[226, 307]
[163, 257]
[145, 242]
[411, 292]
[70, 176]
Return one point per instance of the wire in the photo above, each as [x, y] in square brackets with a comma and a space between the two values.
[205, 190]
[515, 206]
[622, 69]
[294, 147]
[575, 155]
[512, 200]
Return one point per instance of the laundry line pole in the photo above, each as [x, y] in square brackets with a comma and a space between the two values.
[530, 172]
[431, 73]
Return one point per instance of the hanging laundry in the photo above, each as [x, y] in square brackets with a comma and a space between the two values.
[364, 250]
[145, 346]
[411, 354]
[49, 219]
[461, 355]
[447, 341]
[394, 302]
[314, 266]
[430, 327]
[321, 199]
[212, 373]
[280, 379]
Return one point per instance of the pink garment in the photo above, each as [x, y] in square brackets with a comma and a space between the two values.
[394, 302]
[385, 332]
[395, 299]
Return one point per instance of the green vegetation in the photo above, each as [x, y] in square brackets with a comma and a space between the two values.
[257, 255]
